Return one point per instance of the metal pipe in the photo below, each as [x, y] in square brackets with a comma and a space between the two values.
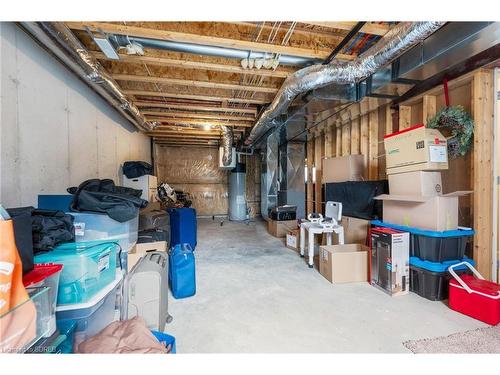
[57, 38]
[199, 49]
[398, 40]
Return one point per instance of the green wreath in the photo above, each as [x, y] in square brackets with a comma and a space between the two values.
[457, 122]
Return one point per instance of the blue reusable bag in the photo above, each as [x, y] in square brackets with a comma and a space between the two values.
[181, 271]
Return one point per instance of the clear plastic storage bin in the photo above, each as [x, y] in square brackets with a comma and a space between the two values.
[25, 324]
[46, 275]
[87, 269]
[92, 316]
[93, 226]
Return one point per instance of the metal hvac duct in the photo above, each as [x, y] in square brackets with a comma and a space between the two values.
[199, 49]
[398, 40]
[58, 39]
[227, 144]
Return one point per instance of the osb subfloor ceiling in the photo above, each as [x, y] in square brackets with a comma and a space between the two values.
[191, 95]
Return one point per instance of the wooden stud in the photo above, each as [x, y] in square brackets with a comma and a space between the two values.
[355, 136]
[207, 40]
[346, 140]
[193, 83]
[483, 102]
[388, 120]
[328, 142]
[364, 141]
[338, 148]
[428, 107]
[373, 145]
[404, 117]
[318, 165]
[310, 185]
[188, 64]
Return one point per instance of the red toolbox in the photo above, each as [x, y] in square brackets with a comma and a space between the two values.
[474, 296]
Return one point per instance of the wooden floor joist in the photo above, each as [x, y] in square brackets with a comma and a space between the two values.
[202, 123]
[195, 97]
[193, 107]
[172, 114]
[368, 28]
[175, 36]
[188, 64]
[193, 83]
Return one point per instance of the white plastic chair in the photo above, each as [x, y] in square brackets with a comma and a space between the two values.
[319, 225]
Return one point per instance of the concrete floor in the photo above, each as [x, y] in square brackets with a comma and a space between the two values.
[256, 296]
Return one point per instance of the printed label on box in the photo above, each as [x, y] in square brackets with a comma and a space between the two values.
[79, 229]
[438, 154]
[103, 263]
[291, 240]
[324, 255]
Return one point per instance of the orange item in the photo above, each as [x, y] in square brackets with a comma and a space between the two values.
[17, 313]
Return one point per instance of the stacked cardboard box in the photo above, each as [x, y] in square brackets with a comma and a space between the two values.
[416, 196]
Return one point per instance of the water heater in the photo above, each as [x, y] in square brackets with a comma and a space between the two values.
[237, 201]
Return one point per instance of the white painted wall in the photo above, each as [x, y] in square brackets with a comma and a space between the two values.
[55, 131]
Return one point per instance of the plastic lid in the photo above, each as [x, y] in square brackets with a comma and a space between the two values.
[387, 230]
[40, 273]
[439, 267]
[71, 249]
[478, 285]
[424, 232]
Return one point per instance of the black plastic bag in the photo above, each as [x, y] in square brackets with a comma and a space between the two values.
[134, 169]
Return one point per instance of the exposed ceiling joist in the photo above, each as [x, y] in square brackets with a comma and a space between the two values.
[183, 120]
[188, 64]
[197, 115]
[144, 32]
[195, 97]
[193, 83]
[149, 104]
[368, 28]
[296, 31]
[199, 122]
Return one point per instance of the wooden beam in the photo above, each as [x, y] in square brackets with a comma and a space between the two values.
[428, 107]
[404, 117]
[198, 115]
[207, 121]
[184, 106]
[193, 83]
[346, 140]
[482, 112]
[368, 28]
[200, 122]
[200, 65]
[373, 145]
[207, 40]
[177, 144]
[195, 97]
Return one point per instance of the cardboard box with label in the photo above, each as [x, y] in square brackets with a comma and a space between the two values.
[280, 228]
[419, 183]
[147, 183]
[344, 263]
[343, 168]
[415, 149]
[293, 240]
[438, 213]
[140, 249]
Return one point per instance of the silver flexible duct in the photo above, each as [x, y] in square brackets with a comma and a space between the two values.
[398, 40]
[227, 144]
[59, 40]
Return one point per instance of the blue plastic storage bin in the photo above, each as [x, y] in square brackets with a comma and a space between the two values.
[87, 269]
[92, 316]
[55, 202]
[182, 226]
[434, 246]
[182, 271]
[166, 338]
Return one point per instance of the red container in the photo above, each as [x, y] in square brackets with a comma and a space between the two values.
[475, 297]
